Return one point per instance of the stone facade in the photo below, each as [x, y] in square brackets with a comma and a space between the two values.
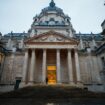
[53, 53]
[13, 65]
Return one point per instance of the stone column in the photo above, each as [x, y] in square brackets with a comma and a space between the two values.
[58, 66]
[32, 68]
[70, 69]
[77, 67]
[44, 67]
[25, 66]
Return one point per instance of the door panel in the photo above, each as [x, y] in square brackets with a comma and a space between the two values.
[51, 74]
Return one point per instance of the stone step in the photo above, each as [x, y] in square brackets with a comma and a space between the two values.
[52, 92]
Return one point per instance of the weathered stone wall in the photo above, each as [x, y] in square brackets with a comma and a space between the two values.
[101, 67]
[13, 65]
[90, 67]
[90, 71]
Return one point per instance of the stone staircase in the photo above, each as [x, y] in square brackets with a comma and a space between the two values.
[52, 92]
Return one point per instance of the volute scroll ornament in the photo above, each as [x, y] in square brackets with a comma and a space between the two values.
[59, 39]
[44, 38]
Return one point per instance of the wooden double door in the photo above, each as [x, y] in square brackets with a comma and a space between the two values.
[51, 75]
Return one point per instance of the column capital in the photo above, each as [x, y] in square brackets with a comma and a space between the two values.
[69, 49]
[44, 49]
[58, 50]
[76, 49]
[26, 50]
[33, 49]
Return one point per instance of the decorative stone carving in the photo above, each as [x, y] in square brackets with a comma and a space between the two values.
[52, 37]
[59, 39]
[44, 38]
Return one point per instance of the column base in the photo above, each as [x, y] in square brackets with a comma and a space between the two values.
[59, 83]
[44, 83]
[72, 83]
[79, 84]
[30, 84]
[22, 84]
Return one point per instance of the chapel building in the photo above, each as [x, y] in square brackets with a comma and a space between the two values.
[52, 53]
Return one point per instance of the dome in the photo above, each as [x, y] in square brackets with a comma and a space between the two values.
[51, 16]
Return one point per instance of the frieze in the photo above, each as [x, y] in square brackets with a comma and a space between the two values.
[51, 46]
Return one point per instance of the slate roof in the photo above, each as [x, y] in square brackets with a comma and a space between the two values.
[18, 36]
[89, 37]
[85, 37]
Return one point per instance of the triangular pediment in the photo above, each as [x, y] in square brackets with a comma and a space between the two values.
[51, 36]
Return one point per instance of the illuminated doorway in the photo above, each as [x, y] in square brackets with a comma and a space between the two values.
[51, 74]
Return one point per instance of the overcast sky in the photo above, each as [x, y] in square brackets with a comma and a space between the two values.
[17, 15]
